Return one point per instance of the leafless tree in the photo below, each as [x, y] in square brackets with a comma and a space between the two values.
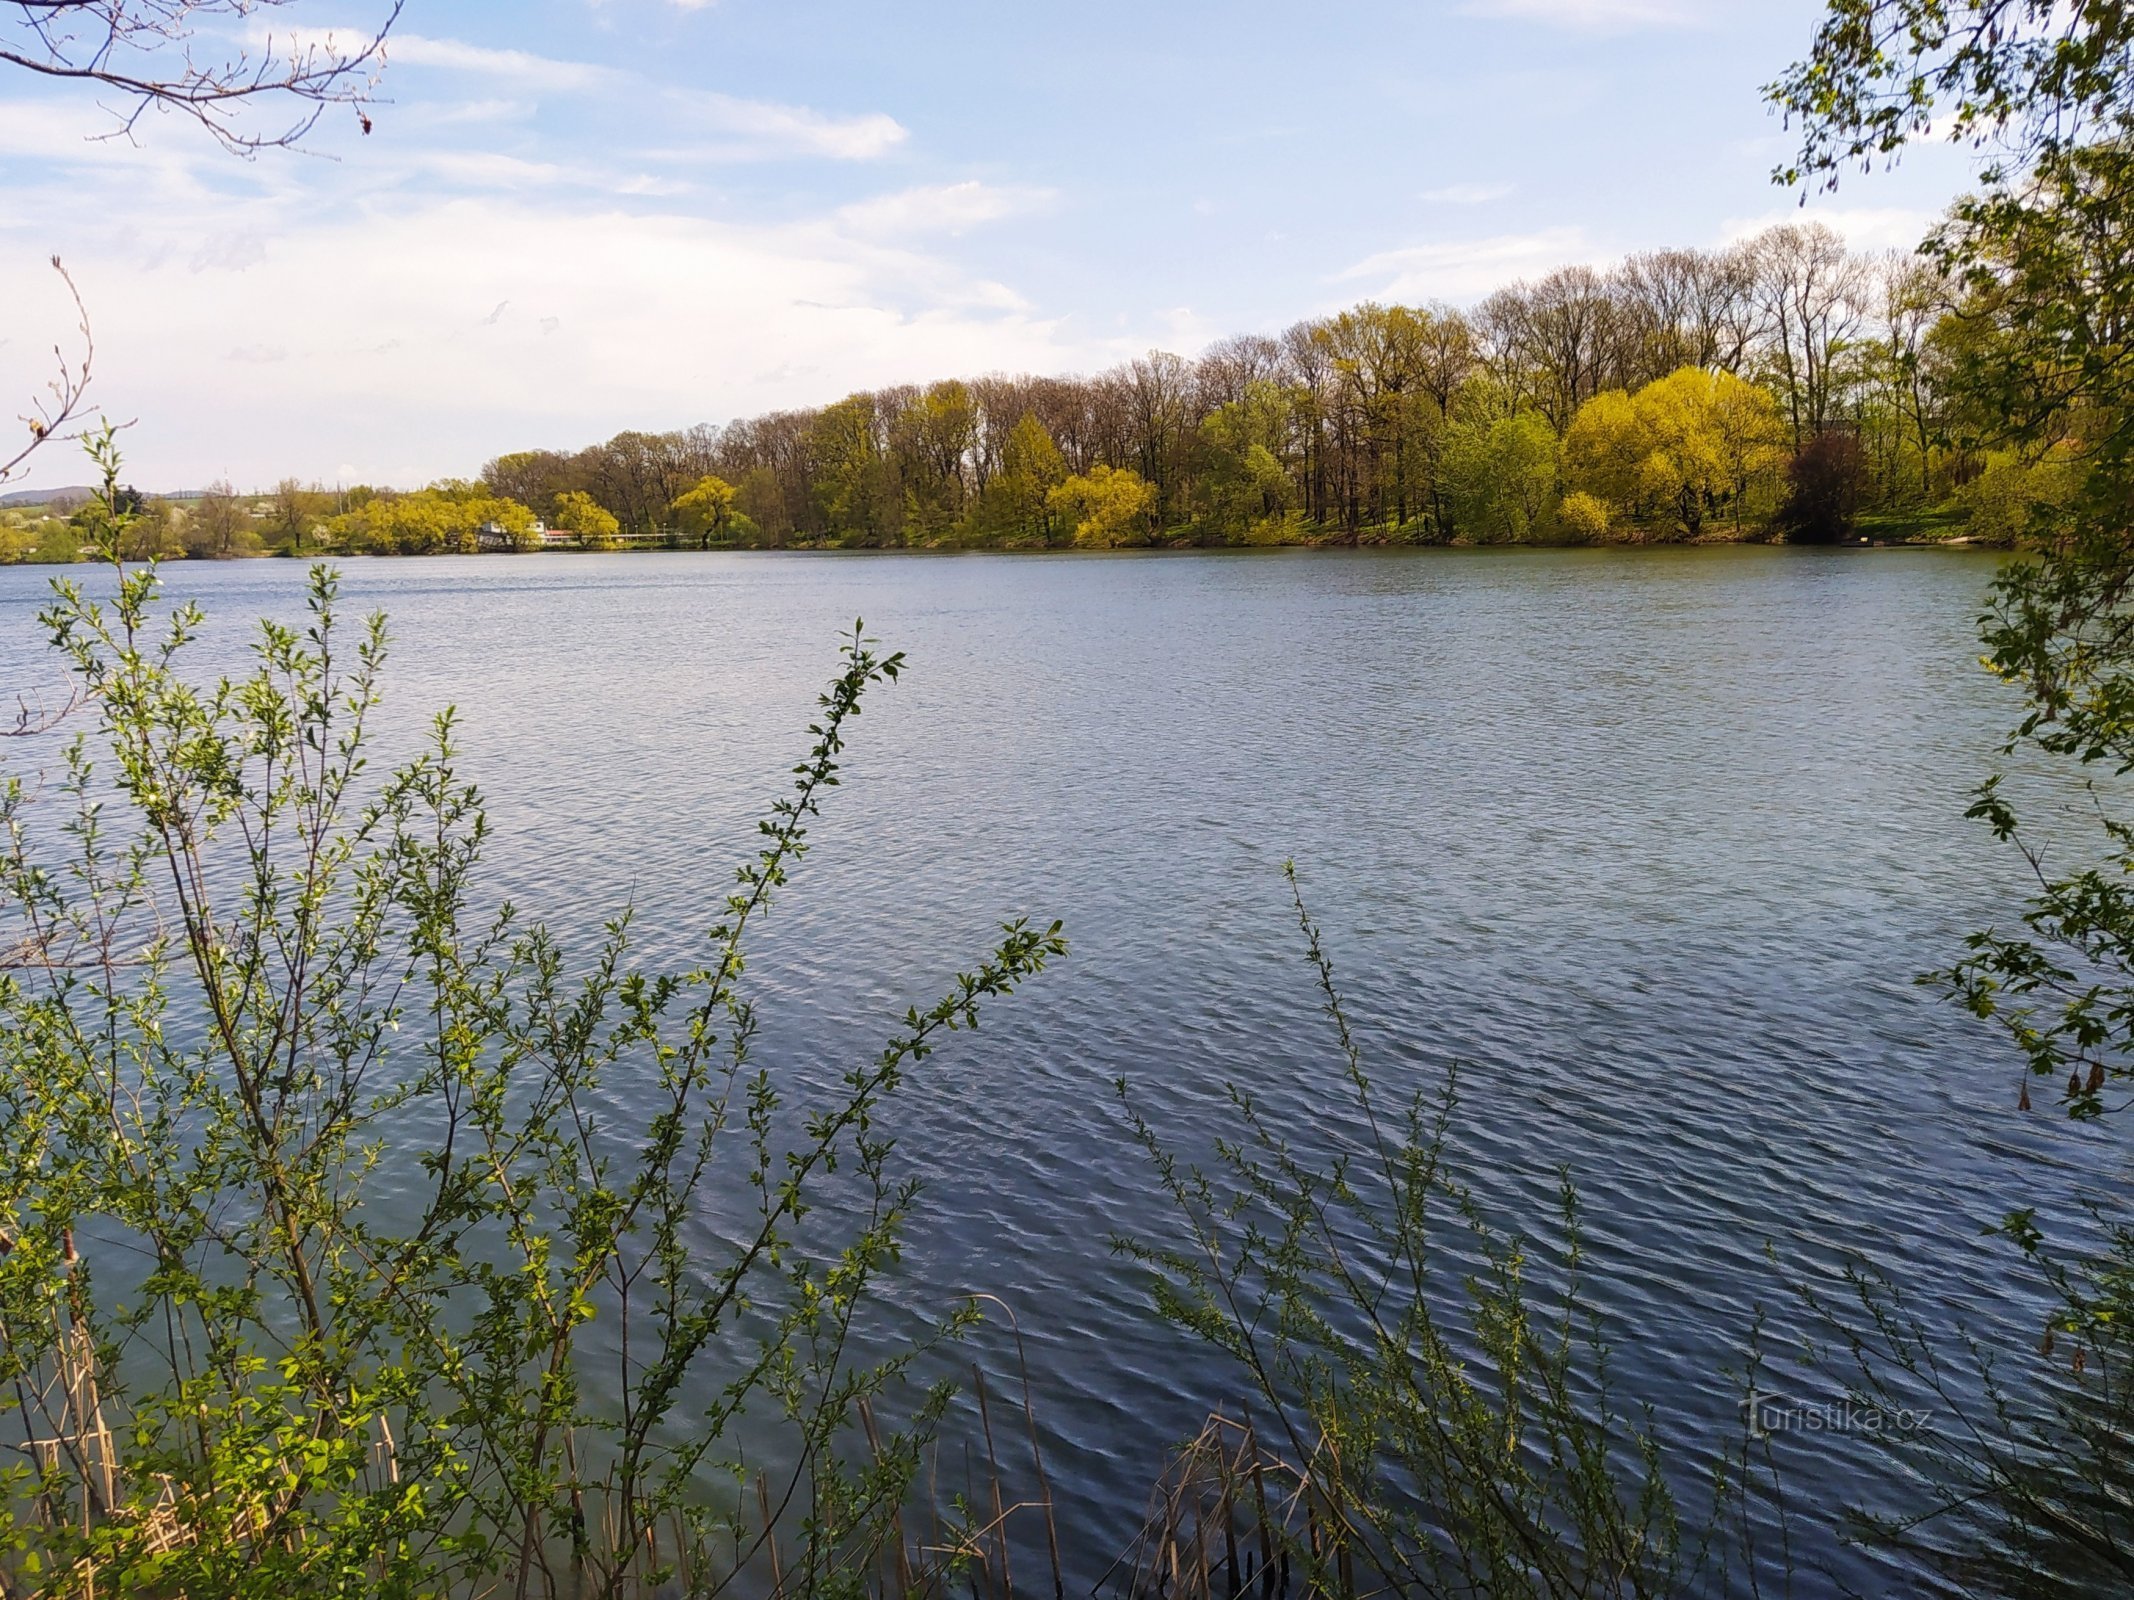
[1228, 369]
[1686, 308]
[1814, 295]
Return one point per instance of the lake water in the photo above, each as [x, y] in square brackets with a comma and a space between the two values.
[1653, 842]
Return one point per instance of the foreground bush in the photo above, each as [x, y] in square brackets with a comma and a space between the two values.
[335, 1255]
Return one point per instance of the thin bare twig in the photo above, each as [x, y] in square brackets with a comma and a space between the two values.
[48, 418]
[120, 45]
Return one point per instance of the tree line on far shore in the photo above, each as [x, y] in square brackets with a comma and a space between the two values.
[1784, 384]
[1782, 387]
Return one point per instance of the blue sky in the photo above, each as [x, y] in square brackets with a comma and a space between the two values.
[577, 216]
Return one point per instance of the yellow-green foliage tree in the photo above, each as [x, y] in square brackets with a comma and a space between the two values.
[18, 540]
[1391, 368]
[58, 542]
[1243, 487]
[444, 519]
[1018, 499]
[596, 526]
[2005, 502]
[1582, 517]
[1603, 450]
[1500, 478]
[145, 530]
[930, 440]
[1109, 506]
[1681, 449]
[763, 509]
[705, 511]
[519, 524]
[855, 478]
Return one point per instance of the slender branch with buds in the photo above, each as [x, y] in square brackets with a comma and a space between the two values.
[122, 46]
[49, 416]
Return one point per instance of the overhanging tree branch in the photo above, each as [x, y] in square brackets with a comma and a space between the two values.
[179, 56]
[171, 55]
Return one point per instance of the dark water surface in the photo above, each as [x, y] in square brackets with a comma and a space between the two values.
[1653, 842]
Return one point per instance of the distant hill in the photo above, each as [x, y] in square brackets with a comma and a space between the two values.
[37, 497]
[79, 491]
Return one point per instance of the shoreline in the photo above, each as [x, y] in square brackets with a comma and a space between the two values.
[1181, 551]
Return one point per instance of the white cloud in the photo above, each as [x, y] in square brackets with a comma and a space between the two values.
[410, 338]
[486, 169]
[1598, 16]
[756, 128]
[943, 208]
[1463, 269]
[445, 114]
[526, 70]
[493, 172]
[405, 315]
[79, 140]
[759, 128]
[765, 127]
[229, 252]
[1184, 329]
[1864, 227]
[1467, 194]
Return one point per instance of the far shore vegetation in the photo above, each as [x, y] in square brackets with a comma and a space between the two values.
[1783, 388]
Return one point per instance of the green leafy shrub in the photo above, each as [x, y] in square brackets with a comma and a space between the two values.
[1582, 517]
[352, 1237]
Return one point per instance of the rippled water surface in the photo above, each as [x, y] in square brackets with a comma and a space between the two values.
[1653, 842]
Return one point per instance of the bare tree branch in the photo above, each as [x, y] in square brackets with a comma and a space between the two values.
[62, 403]
[166, 55]
[177, 56]
[34, 715]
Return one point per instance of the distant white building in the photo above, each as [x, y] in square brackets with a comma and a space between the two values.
[495, 536]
